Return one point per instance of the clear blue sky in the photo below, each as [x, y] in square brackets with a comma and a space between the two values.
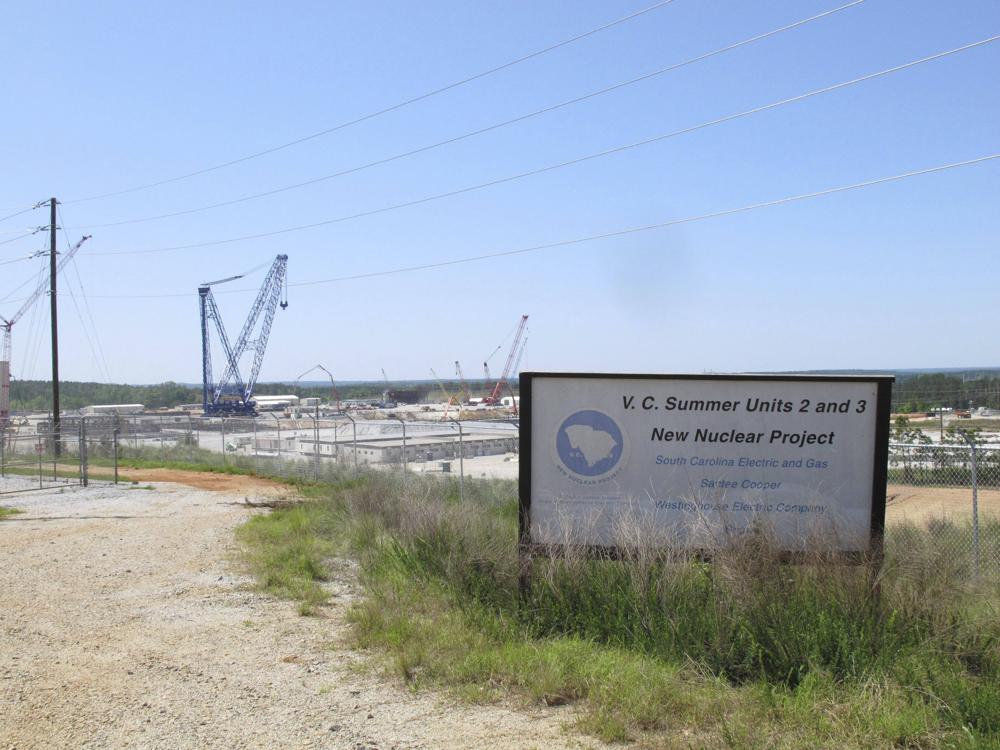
[104, 96]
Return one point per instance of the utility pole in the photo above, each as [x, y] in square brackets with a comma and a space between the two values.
[55, 327]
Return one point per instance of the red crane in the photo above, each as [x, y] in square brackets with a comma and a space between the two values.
[494, 397]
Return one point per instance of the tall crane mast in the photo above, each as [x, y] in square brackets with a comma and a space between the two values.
[232, 394]
[494, 397]
[8, 323]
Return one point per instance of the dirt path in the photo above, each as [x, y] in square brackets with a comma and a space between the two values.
[125, 623]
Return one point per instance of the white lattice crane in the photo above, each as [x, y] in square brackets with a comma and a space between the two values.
[8, 324]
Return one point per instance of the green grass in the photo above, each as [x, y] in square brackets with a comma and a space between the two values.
[740, 652]
[6, 512]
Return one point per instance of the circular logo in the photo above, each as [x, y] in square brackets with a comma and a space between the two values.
[590, 444]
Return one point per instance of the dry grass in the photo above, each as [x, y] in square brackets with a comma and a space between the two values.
[742, 651]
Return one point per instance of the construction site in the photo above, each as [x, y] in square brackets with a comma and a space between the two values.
[447, 426]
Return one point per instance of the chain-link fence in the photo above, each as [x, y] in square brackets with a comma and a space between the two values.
[955, 491]
[43, 459]
[952, 489]
[308, 448]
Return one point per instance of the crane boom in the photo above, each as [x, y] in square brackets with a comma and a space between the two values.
[447, 396]
[520, 354]
[232, 394]
[464, 395]
[8, 323]
[514, 348]
[43, 285]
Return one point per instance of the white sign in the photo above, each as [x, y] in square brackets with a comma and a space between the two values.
[694, 462]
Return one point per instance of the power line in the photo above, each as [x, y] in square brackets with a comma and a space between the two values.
[606, 235]
[18, 213]
[96, 352]
[481, 131]
[18, 260]
[561, 165]
[385, 110]
[35, 332]
[26, 233]
[21, 286]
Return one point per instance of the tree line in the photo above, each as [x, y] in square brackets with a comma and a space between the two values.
[36, 395]
[926, 392]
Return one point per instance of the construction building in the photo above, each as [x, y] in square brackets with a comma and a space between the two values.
[423, 447]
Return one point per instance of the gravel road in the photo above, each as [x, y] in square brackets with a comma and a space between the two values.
[126, 623]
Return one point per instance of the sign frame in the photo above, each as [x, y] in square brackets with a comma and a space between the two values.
[883, 407]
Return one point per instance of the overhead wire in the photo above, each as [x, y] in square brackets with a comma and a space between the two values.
[35, 327]
[384, 110]
[616, 233]
[18, 259]
[483, 130]
[97, 352]
[26, 233]
[18, 213]
[567, 163]
[20, 286]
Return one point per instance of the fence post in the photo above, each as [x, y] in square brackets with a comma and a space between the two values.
[83, 450]
[354, 438]
[461, 462]
[398, 419]
[222, 421]
[3, 451]
[315, 452]
[976, 552]
[253, 421]
[277, 422]
[114, 445]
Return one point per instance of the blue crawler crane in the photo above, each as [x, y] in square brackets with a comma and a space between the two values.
[232, 395]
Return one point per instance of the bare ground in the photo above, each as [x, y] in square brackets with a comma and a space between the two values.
[125, 622]
[921, 504]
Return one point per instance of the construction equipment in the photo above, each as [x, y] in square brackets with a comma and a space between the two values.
[517, 364]
[448, 398]
[232, 395]
[8, 323]
[388, 395]
[520, 354]
[486, 366]
[463, 395]
[494, 397]
[333, 385]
